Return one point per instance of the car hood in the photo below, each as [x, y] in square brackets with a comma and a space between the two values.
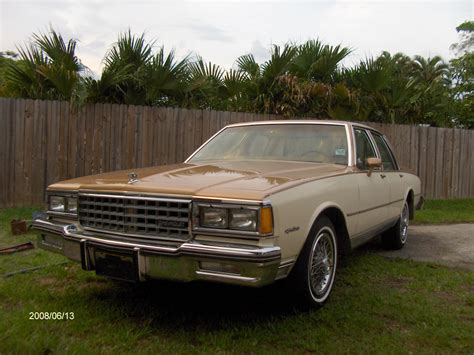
[252, 180]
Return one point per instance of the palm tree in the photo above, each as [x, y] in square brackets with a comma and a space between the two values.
[318, 62]
[47, 68]
[166, 79]
[429, 70]
[124, 72]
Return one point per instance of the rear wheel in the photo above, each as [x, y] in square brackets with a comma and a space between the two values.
[315, 270]
[396, 237]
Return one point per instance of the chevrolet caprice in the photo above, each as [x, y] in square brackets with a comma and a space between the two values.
[256, 203]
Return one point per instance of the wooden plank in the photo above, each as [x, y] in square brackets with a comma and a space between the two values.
[131, 138]
[198, 133]
[206, 121]
[455, 164]
[448, 158]
[464, 165]
[405, 143]
[414, 137]
[438, 163]
[88, 139]
[141, 122]
[63, 139]
[174, 139]
[422, 156]
[125, 151]
[4, 118]
[97, 139]
[121, 125]
[71, 139]
[154, 138]
[159, 147]
[213, 123]
[116, 124]
[180, 135]
[28, 152]
[471, 149]
[107, 140]
[146, 137]
[430, 161]
[188, 134]
[111, 124]
[42, 168]
[11, 159]
[81, 141]
[19, 151]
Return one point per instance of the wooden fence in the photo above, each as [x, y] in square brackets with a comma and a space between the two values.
[42, 142]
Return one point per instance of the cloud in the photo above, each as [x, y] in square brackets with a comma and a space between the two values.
[207, 32]
[260, 53]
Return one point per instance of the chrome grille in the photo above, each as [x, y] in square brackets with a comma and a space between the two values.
[146, 217]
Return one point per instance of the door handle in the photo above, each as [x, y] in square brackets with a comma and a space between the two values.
[383, 176]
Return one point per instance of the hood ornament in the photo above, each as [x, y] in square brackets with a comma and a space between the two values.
[132, 178]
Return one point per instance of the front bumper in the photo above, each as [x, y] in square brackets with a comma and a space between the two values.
[241, 265]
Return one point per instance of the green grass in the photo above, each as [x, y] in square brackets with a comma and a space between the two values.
[378, 305]
[446, 211]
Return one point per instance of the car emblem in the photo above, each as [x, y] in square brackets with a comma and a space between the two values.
[132, 177]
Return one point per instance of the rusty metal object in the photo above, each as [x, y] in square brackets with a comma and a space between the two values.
[18, 226]
[17, 248]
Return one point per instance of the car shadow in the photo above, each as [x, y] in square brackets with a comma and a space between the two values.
[206, 305]
[187, 306]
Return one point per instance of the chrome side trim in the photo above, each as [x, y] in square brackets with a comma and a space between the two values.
[374, 208]
[221, 276]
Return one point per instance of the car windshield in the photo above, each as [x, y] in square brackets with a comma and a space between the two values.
[319, 143]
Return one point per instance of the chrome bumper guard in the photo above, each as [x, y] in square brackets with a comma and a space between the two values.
[251, 266]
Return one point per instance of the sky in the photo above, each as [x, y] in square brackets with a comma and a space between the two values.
[221, 31]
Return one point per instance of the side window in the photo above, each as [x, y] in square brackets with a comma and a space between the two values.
[364, 148]
[388, 161]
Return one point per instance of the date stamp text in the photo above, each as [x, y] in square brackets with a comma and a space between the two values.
[51, 315]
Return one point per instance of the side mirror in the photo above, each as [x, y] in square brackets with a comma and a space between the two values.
[373, 163]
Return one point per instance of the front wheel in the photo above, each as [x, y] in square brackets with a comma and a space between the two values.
[396, 237]
[315, 270]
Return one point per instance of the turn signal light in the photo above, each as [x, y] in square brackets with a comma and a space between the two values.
[266, 220]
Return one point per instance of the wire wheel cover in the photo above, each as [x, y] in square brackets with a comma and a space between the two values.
[321, 270]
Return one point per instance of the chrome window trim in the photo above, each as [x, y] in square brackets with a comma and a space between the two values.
[390, 150]
[371, 140]
[282, 122]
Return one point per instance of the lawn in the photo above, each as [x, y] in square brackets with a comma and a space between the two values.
[446, 211]
[377, 306]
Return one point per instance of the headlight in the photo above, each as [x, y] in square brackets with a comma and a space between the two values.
[251, 220]
[243, 219]
[214, 217]
[57, 203]
[72, 204]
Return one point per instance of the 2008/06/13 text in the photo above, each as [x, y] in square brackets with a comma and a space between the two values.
[51, 315]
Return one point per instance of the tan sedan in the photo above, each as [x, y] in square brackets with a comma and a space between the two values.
[257, 202]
